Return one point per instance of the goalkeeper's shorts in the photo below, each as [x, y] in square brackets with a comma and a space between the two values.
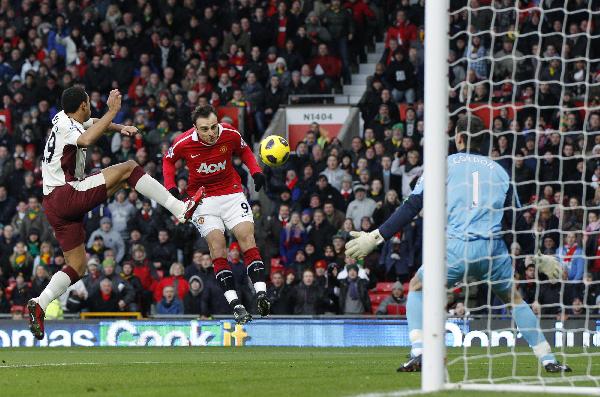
[484, 260]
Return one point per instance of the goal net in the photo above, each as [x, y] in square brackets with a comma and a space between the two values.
[531, 71]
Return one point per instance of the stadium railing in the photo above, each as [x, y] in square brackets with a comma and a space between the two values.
[86, 315]
[315, 99]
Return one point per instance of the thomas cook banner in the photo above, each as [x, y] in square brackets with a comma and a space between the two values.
[286, 332]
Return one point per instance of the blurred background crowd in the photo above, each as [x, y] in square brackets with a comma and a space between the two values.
[168, 56]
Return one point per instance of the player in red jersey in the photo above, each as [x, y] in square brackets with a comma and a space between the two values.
[207, 149]
[69, 195]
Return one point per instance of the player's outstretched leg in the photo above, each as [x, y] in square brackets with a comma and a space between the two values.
[57, 286]
[134, 175]
[255, 267]
[414, 316]
[529, 327]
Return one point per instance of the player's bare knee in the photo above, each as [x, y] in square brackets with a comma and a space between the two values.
[216, 244]
[220, 253]
[247, 242]
[131, 164]
[127, 168]
[217, 252]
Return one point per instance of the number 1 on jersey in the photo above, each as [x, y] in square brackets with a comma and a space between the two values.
[475, 197]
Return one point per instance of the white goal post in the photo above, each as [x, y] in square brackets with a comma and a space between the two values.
[434, 198]
[435, 375]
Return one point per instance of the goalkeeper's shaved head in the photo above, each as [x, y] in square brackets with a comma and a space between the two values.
[472, 130]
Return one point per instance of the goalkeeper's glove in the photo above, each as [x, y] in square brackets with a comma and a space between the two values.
[259, 181]
[363, 243]
[548, 265]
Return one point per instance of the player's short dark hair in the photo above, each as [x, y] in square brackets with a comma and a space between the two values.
[72, 98]
[203, 112]
[473, 128]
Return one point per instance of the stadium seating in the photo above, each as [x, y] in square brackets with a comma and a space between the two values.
[381, 291]
[384, 287]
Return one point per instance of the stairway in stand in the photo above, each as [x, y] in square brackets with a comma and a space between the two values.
[358, 87]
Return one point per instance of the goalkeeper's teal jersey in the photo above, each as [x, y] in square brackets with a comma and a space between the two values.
[478, 192]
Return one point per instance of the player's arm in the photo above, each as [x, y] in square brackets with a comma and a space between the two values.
[97, 129]
[402, 216]
[364, 243]
[168, 165]
[249, 160]
[114, 127]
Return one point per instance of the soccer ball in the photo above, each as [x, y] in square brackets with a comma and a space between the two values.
[274, 150]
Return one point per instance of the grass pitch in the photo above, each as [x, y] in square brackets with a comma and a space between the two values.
[247, 371]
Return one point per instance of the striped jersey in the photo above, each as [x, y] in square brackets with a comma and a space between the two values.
[63, 161]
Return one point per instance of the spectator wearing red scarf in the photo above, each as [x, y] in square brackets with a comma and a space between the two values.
[403, 31]
[571, 257]
[362, 15]
[147, 221]
[327, 68]
[291, 181]
[388, 53]
[238, 59]
[146, 276]
[104, 299]
[293, 238]
[141, 268]
[280, 23]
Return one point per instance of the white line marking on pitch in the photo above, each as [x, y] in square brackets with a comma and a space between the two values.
[78, 364]
[400, 393]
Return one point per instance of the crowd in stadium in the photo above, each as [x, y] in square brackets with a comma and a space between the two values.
[169, 56]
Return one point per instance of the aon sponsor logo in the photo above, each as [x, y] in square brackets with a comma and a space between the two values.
[212, 168]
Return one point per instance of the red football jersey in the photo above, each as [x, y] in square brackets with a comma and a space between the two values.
[210, 166]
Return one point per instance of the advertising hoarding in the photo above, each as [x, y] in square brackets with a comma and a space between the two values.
[284, 332]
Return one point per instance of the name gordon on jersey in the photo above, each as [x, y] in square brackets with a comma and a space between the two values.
[474, 159]
[212, 168]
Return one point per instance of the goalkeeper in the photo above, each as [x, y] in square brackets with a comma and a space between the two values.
[479, 193]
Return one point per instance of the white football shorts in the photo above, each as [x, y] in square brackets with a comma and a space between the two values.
[220, 212]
